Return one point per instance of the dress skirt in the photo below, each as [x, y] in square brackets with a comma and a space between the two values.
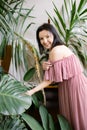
[72, 90]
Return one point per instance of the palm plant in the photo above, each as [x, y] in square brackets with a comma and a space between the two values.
[35, 68]
[12, 19]
[71, 26]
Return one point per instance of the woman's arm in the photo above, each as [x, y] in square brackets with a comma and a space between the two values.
[42, 85]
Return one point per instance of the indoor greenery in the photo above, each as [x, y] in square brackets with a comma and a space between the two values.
[13, 100]
[71, 24]
[13, 17]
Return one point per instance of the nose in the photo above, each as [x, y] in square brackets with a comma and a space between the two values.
[45, 40]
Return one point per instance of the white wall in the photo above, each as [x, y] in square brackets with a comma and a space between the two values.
[39, 11]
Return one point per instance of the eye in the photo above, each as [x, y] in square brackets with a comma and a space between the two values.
[47, 36]
[41, 39]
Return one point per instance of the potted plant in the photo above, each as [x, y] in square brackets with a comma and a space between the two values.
[12, 19]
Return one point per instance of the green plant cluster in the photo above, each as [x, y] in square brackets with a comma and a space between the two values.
[70, 23]
[13, 17]
[13, 99]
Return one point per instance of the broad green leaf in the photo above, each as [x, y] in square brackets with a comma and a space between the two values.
[44, 117]
[51, 123]
[64, 124]
[29, 74]
[35, 100]
[31, 122]
[13, 100]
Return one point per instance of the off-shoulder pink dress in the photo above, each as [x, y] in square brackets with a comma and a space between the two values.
[72, 90]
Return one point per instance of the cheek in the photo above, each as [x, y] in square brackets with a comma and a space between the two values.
[41, 42]
[51, 40]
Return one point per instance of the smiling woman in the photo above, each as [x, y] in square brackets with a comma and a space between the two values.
[66, 71]
[46, 39]
[40, 8]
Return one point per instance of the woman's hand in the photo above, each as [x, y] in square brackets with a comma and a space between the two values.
[29, 92]
[39, 87]
[46, 65]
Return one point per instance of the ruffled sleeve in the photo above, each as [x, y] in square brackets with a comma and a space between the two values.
[63, 69]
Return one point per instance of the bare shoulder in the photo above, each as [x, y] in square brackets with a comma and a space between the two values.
[59, 52]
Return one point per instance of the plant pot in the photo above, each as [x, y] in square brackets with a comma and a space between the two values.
[5, 63]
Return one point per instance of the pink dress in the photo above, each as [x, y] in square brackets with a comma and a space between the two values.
[72, 90]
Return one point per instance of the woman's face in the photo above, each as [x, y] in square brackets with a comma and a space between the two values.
[46, 39]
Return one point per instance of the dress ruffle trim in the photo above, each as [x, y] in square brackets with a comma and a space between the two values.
[63, 69]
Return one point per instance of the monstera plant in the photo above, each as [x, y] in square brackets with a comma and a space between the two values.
[13, 100]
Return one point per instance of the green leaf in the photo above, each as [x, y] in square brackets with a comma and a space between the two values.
[33, 124]
[58, 27]
[51, 123]
[64, 124]
[59, 17]
[35, 100]
[13, 100]
[83, 12]
[15, 123]
[3, 47]
[66, 8]
[28, 27]
[44, 117]
[81, 5]
[29, 74]
[73, 14]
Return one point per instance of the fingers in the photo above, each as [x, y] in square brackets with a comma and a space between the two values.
[46, 65]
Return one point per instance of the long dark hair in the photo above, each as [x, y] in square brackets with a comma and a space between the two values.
[50, 28]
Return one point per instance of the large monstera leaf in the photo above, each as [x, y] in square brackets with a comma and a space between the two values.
[13, 100]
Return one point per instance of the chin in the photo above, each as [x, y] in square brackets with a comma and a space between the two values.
[48, 48]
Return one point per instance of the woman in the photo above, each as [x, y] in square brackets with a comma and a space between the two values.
[63, 67]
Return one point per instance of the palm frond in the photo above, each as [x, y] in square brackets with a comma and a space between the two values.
[71, 25]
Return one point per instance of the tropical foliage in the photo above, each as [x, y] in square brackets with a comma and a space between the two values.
[13, 100]
[70, 23]
[14, 103]
[13, 17]
[47, 122]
